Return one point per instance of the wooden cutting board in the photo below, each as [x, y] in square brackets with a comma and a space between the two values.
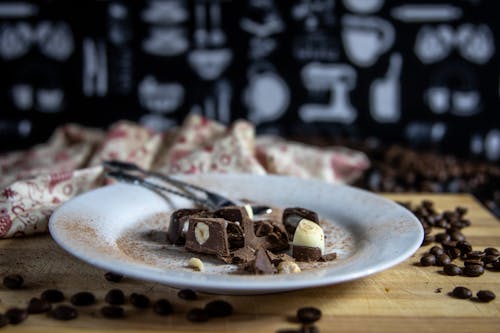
[404, 298]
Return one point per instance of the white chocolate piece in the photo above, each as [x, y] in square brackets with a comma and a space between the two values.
[201, 232]
[309, 233]
[249, 210]
[287, 267]
[196, 264]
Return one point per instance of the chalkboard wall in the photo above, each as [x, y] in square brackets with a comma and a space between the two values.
[425, 72]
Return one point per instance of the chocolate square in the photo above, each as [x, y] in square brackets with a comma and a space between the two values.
[217, 241]
[239, 215]
[306, 253]
[293, 215]
[175, 233]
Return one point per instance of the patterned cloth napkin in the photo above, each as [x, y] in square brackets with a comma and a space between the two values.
[35, 182]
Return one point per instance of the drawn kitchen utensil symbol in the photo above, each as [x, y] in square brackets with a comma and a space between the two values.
[95, 72]
[210, 63]
[17, 9]
[363, 6]
[267, 96]
[413, 13]
[338, 79]
[474, 43]
[160, 97]
[166, 41]
[22, 96]
[365, 39]
[217, 104]
[385, 93]
[157, 122]
[492, 145]
[166, 12]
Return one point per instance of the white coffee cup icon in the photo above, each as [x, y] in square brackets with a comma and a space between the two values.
[365, 39]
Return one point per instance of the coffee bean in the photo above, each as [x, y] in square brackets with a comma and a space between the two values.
[64, 312]
[197, 315]
[219, 308]
[457, 236]
[443, 259]
[475, 255]
[428, 260]
[163, 307]
[113, 312]
[452, 270]
[113, 277]
[464, 246]
[37, 305]
[488, 259]
[115, 297]
[16, 315]
[428, 239]
[4, 321]
[83, 298]
[309, 329]
[139, 301]
[13, 281]
[308, 315]
[461, 292]
[473, 262]
[496, 264]
[485, 295]
[453, 252]
[491, 251]
[473, 270]
[52, 295]
[436, 250]
[461, 210]
[442, 237]
[187, 294]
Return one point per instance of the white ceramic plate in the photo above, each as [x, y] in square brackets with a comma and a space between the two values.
[121, 228]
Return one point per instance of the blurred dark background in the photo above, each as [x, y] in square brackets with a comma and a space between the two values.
[425, 73]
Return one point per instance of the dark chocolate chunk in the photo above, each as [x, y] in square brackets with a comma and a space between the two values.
[64, 312]
[37, 305]
[197, 315]
[178, 224]
[263, 264]
[13, 281]
[293, 215]
[52, 296]
[219, 308]
[306, 253]
[328, 257]
[113, 277]
[139, 301]
[16, 315]
[83, 298]
[239, 214]
[308, 315]
[207, 235]
[235, 235]
[162, 307]
[115, 297]
[113, 312]
[187, 294]
[274, 234]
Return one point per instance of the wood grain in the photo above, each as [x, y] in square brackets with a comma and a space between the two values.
[402, 298]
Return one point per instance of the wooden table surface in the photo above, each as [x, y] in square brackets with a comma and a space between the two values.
[403, 298]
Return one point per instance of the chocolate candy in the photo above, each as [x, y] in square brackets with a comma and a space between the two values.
[293, 215]
[208, 235]
[177, 227]
[306, 253]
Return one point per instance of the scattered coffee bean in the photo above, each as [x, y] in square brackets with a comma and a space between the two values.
[52, 295]
[464, 246]
[442, 237]
[113, 312]
[37, 305]
[197, 315]
[475, 255]
[453, 252]
[461, 210]
[115, 297]
[436, 250]
[443, 259]
[139, 301]
[83, 298]
[113, 277]
[428, 239]
[187, 294]
[491, 251]
[309, 329]
[13, 281]
[16, 315]
[461, 292]
[457, 236]
[163, 307]
[308, 315]
[64, 312]
[485, 295]
[219, 308]
[428, 260]
[4, 321]
[473, 270]
[473, 262]
[496, 264]
[452, 270]
[489, 258]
